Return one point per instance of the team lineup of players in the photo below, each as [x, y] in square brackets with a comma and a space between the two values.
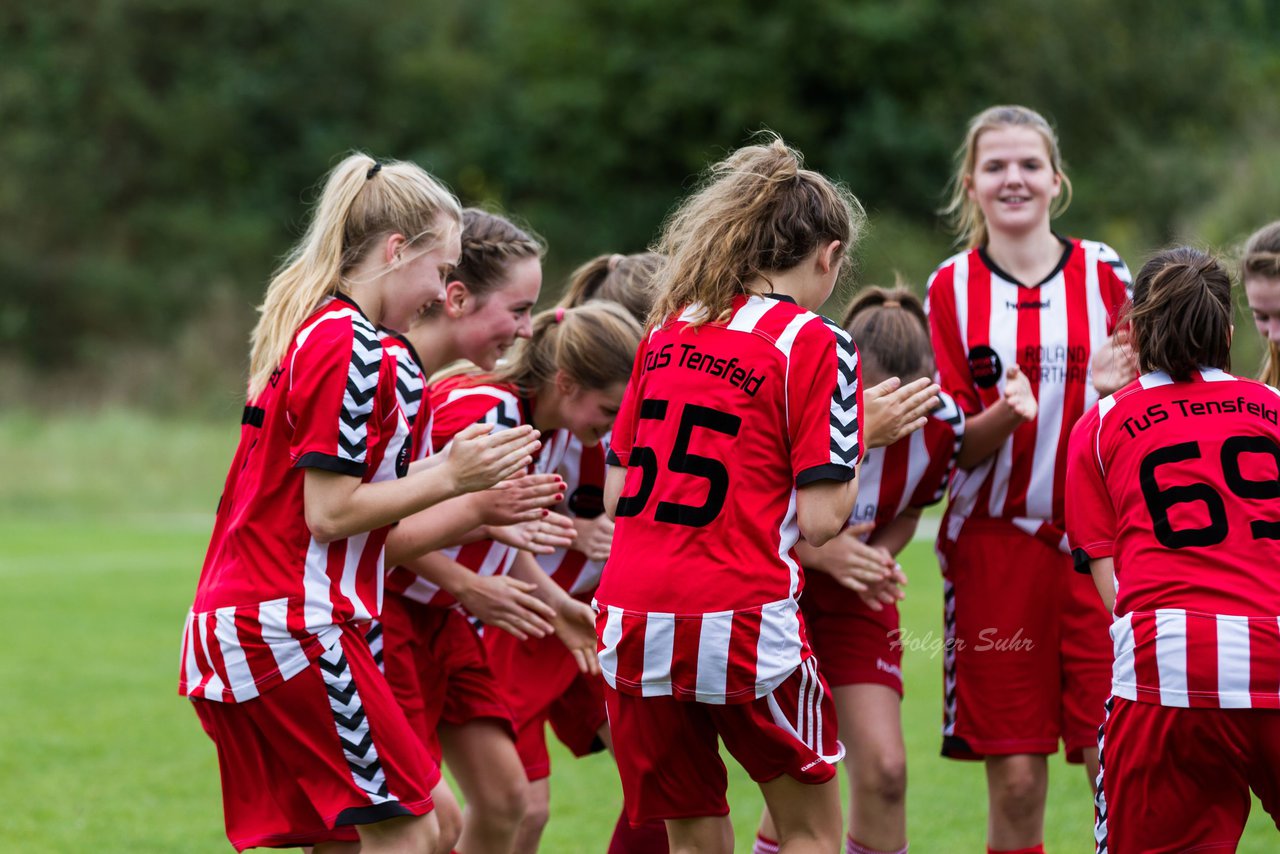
[663, 517]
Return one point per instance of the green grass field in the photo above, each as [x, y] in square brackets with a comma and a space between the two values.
[103, 523]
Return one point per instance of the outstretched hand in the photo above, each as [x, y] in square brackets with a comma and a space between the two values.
[892, 410]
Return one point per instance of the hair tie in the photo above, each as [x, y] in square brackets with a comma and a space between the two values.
[373, 170]
[560, 315]
[614, 260]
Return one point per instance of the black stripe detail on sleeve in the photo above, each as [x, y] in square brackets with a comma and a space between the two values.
[253, 416]
[611, 459]
[1081, 560]
[826, 471]
[328, 462]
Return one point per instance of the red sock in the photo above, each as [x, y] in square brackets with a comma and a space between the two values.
[1034, 849]
[648, 838]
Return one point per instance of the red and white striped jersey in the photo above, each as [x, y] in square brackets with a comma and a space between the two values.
[1179, 483]
[912, 472]
[582, 470]
[982, 322]
[719, 427]
[271, 598]
[455, 404]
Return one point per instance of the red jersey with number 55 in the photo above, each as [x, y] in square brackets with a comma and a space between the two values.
[1179, 483]
[719, 427]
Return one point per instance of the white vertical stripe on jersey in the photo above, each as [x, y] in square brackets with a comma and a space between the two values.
[233, 659]
[215, 686]
[1002, 335]
[713, 651]
[273, 616]
[190, 665]
[318, 610]
[1171, 656]
[609, 641]
[917, 461]
[788, 536]
[1124, 679]
[351, 571]
[869, 476]
[749, 314]
[1044, 460]
[960, 287]
[1098, 320]
[659, 648]
[779, 648]
[1233, 662]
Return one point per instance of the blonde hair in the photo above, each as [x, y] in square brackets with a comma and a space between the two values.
[628, 280]
[757, 211]
[1262, 258]
[362, 201]
[594, 344]
[963, 213]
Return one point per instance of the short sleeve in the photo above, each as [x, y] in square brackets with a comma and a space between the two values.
[1091, 517]
[333, 378]
[624, 425]
[1115, 282]
[824, 403]
[948, 342]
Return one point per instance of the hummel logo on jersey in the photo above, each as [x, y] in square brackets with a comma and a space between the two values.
[1026, 304]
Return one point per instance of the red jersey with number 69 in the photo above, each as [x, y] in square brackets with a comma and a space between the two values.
[1179, 483]
[720, 425]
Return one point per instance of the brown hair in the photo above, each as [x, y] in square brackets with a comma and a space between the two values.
[362, 201]
[490, 244]
[758, 211]
[1262, 258]
[594, 344]
[628, 280]
[963, 213]
[1181, 313]
[892, 332]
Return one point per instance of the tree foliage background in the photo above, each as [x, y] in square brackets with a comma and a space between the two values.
[158, 155]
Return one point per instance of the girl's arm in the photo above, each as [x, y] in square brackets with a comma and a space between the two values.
[894, 536]
[985, 432]
[614, 478]
[1103, 570]
[339, 505]
[461, 519]
[574, 621]
[823, 508]
[496, 600]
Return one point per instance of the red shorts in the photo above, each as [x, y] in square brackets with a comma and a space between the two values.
[1179, 779]
[541, 682]
[1027, 654]
[856, 645]
[325, 750]
[438, 669]
[669, 759]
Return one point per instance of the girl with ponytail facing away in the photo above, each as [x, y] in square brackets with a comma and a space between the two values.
[274, 658]
[1173, 487]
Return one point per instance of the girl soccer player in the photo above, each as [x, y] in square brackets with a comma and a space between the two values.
[567, 378]
[310, 740]
[1020, 300]
[740, 433]
[851, 591]
[540, 681]
[1174, 496]
[1260, 272]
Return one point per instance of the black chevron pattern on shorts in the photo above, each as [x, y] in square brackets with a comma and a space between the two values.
[362, 382]
[948, 658]
[844, 400]
[1100, 798]
[352, 725]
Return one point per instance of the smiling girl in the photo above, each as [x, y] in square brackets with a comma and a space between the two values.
[1021, 302]
[1260, 271]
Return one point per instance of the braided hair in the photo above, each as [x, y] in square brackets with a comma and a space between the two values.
[490, 244]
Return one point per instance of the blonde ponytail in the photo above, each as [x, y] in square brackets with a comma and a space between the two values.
[628, 280]
[362, 201]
